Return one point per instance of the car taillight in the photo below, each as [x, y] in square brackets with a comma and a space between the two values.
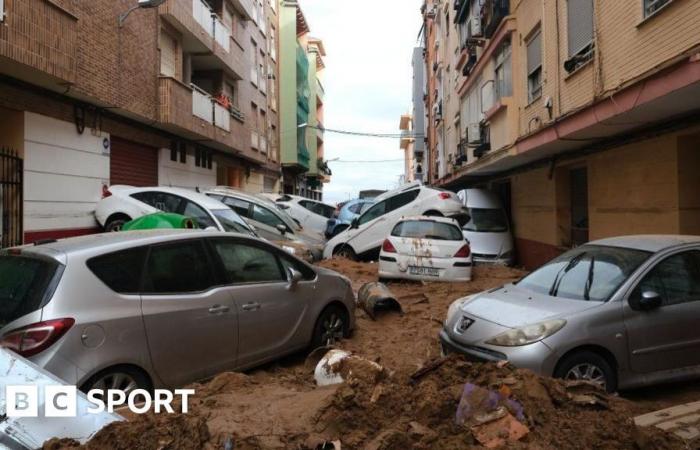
[388, 247]
[463, 252]
[444, 195]
[105, 192]
[37, 337]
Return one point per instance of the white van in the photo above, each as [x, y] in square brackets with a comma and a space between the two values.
[367, 232]
[488, 230]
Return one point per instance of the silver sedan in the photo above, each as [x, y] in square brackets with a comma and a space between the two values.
[164, 308]
[623, 312]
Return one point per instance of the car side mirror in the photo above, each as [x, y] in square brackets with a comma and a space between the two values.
[293, 278]
[281, 228]
[650, 300]
[355, 223]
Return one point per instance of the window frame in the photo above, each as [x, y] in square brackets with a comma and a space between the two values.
[502, 60]
[533, 93]
[647, 3]
[649, 269]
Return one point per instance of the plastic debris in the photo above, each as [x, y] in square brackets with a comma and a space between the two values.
[375, 297]
[160, 220]
[477, 403]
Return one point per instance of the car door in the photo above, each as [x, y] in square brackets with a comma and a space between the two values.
[190, 318]
[271, 314]
[394, 209]
[666, 337]
[312, 218]
[267, 223]
[199, 214]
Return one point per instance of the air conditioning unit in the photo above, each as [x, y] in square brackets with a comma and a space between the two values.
[476, 29]
[474, 134]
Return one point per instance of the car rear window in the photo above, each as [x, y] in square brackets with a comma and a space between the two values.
[25, 283]
[426, 229]
[120, 271]
[487, 220]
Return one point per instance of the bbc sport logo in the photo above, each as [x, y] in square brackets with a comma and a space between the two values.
[62, 401]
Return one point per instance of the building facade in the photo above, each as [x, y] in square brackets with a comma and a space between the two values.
[583, 114]
[184, 95]
[301, 115]
[407, 144]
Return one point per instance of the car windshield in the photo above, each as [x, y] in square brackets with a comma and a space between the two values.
[23, 285]
[589, 272]
[232, 222]
[424, 229]
[487, 220]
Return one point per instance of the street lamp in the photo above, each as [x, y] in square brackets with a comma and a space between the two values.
[139, 4]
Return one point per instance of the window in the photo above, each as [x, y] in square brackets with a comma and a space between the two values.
[589, 272]
[424, 229]
[374, 212]
[168, 55]
[253, 63]
[534, 67]
[203, 158]
[245, 263]
[120, 271]
[676, 279]
[580, 30]
[487, 220]
[24, 284]
[159, 200]
[264, 215]
[402, 199]
[178, 151]
[240, 206]
[178, 268]
[318, 208]
[503, 72]
[287, 263]
[651, 6]
[200, 216]
[232, 222]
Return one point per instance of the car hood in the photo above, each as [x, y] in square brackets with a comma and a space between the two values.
[511, 306]
[489, 243]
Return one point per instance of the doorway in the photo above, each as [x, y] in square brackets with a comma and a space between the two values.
[578, 180]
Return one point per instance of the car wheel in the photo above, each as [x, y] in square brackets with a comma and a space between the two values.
[588, 366]
[345, 251]
[116, 222]
[332, 325]
[121, 378]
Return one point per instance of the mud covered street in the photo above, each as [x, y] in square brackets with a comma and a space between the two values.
[279, 407]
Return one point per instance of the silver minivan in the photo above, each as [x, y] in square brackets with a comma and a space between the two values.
[488, 230]
[144, 309]
[623, 312]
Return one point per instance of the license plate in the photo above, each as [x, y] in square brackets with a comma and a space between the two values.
[429, 271]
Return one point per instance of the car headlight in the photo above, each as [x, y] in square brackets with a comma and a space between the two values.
[527, 334]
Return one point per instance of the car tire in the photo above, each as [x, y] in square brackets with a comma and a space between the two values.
[589, 366]
[333, 324]
[345, 251]
[116, 222]
[124, 378]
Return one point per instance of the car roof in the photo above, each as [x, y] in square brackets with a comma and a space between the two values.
[648, 242]
[109, 241]
[403, 188]
[481, 198]
[199, 198]
[438, 219]
[222, 190]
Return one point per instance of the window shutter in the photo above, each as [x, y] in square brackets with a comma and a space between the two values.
[580, 24]
[168, 55]
[534, 53]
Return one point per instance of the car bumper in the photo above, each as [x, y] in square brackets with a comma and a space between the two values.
[447, 271]
[536, 357]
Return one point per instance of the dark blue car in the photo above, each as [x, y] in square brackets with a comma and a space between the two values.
[348, 212]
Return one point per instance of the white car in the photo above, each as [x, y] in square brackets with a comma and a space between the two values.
[364, 238]
[488, 230]
[426, 248]
[120, 204]
[308, 213]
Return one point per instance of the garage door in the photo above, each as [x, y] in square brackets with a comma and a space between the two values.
[133, 164]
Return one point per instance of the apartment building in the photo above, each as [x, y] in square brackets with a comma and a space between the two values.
[180, 94]
[583, 114]
[301, 67]
[407, 144]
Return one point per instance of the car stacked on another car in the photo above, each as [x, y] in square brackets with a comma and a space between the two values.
[270, 222]
[488, 228]
[426, 248]
[367, 232]
[163, 308]
[346, 214]
[622, 312]
[308, 213]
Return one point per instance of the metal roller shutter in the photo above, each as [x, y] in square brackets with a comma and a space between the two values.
[133, 164]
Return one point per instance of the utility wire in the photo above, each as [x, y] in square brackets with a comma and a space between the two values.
[366, 161]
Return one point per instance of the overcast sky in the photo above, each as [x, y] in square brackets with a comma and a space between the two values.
[368, 86]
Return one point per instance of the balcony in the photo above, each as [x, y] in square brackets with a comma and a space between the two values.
[492, 13]
[30, 47]
[204, 36]
[193, 114]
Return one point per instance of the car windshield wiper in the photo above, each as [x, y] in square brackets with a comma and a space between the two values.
[589, 280]
[560, 275]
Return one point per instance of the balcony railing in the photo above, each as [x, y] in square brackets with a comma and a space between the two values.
[222, 117]
[209, 110]
[212, 24]
[222, 35]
